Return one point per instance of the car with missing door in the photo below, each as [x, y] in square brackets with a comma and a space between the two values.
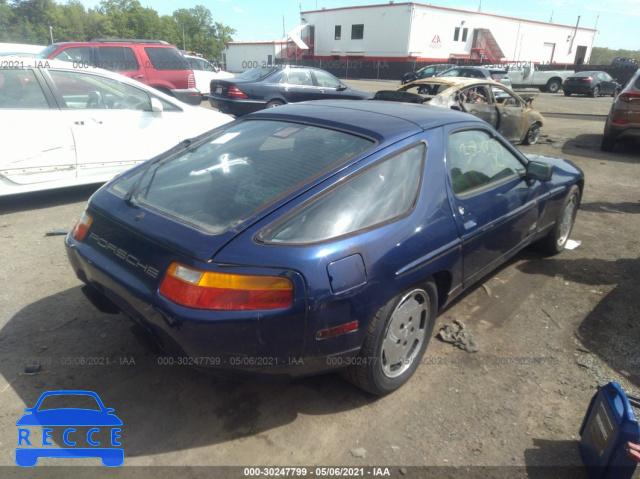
[511, 114]
[317, 236]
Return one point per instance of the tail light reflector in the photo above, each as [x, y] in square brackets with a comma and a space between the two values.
[198, 289]
[82, 227]
[191, 81]
[627, 96]
[235, 92]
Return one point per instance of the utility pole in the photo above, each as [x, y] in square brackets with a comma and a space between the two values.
[51, 33]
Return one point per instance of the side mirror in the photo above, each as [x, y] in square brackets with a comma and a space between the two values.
[156, 106]
[536, 170]
[341, 88]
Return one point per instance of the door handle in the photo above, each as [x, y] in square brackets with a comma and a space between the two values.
[80, 123]
[137, 77]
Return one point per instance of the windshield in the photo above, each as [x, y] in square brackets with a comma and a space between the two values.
[47, 51]
[255, 74]
[240, 170]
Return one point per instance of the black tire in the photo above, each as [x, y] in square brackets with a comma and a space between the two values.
[557, 238]
[274, 103]
[553, 85]
[374, 369]
[607, 144]
[531, 138]
[566, 93]
[595, 92]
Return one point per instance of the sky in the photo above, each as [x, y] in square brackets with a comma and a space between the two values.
[262, 20]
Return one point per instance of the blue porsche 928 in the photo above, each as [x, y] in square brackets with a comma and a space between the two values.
[302, 239]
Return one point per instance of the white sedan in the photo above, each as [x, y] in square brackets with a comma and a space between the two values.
[204, 73]
[68, 124]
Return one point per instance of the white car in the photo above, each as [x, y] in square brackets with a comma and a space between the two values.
[204, 73]
[67, 124]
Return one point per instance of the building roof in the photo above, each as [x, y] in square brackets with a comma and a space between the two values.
[435, 7]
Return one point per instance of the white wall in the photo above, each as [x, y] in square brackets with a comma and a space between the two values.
[243, 56]
[425, 32]
[386, 30]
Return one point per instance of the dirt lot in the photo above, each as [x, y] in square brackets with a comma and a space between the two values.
[549, 330]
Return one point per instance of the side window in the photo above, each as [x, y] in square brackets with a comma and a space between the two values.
[75, 54]
[117, 59]
[326, 79]
[477, 159]
[476, 94]
[20, 89]
[357, 32]
[337, 32]
[162, 58]
[88, 91]
[381, 194]
[505, 98]
[300, 77]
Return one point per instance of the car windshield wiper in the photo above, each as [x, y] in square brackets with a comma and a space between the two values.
[131, 198]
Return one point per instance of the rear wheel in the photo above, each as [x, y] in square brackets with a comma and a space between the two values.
[274, 103]
[553, 86]
[557, 238]
[532, 135]
[395, 341]
[595, 92]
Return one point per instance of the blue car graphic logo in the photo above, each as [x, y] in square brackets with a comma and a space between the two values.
[102, 428]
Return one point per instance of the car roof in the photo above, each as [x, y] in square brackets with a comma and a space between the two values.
[381, 120]
[453, 81]
[28, 62]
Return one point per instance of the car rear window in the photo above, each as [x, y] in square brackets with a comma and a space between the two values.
[500, 75]
[240, 170]
[255, 74]
[166, 59]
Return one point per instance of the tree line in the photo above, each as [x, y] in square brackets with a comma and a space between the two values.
[36, 21]
[604, 56]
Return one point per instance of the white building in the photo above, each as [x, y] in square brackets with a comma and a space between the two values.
[398, 34]
[415, 31]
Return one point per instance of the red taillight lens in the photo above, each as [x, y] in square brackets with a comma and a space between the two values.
[628, 96]
[235, 92]
[587, 80]
[82, 227]
[198, 289]
[191, 81]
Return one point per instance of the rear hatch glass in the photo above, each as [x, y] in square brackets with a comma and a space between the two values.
[228, 178]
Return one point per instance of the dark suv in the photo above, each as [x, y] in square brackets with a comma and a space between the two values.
[152, 62]
[425, 72]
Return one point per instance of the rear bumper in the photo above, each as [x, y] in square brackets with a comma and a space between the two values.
[235, 343]
[191, 96]
[236, 107]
